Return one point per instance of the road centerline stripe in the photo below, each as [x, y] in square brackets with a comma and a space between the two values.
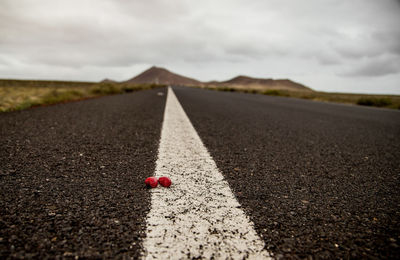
[198, 216]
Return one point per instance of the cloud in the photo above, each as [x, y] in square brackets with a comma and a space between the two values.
[289, 38]
[375, 67]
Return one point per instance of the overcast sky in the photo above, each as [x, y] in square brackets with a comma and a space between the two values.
[329, 45]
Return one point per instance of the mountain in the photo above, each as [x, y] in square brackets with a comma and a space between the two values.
[107, 81]
[159, 75]
[162, 76]
[258, 83]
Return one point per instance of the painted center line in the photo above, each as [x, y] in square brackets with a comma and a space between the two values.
[198, 217]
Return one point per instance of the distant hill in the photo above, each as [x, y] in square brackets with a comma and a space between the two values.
[159, 75]
[162, 76]
[107, 81]
[258, 83]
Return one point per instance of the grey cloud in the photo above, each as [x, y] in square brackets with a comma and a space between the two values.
[328, 59]
[389, 39]
[376, 68]
[288, 37]
[373, 45]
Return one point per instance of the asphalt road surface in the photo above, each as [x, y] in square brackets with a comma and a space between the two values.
[72, 176]
[317, 180]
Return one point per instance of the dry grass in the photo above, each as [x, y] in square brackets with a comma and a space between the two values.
[257, 87]
[22, 94]
[386, 101]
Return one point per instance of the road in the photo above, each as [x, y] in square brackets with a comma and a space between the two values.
[316, 179]
[72, 176]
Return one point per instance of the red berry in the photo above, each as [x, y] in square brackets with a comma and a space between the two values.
[164, 181]
[151, 182]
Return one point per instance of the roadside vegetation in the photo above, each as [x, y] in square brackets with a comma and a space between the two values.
[22, 94]
[385, 101]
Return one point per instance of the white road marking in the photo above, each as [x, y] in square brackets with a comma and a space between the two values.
[198, 216]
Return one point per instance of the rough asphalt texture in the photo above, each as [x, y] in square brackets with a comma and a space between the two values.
[71, 176]
[317, 179]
